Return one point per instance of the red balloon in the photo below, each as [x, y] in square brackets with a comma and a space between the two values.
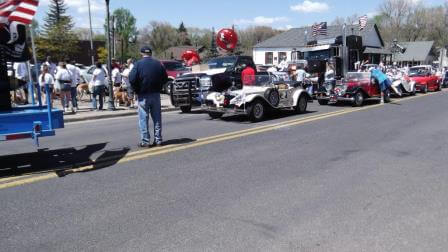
[189, 54]
[227, 39]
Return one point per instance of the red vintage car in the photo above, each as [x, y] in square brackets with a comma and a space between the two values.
[356, 88]
[425, 79]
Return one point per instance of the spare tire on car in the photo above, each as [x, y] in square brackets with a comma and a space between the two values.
[220, 82]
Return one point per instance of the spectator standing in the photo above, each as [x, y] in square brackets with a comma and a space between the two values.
[64, 84]
[247, 75]
[21, 74]
[127, 86]
[51, 66]
[146, 79]
[98, 82]
[46, 78]
[75, 73]
[116, 75]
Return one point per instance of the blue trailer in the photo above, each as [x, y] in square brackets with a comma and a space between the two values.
[33, 121]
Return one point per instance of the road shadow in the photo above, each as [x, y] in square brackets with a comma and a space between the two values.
[58, 160]
[272, 115]
[178, 141]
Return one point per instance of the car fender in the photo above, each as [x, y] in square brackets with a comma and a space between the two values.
[251, 97]
[297, 95]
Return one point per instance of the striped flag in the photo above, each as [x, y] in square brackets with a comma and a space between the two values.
[21, 11]
[320, 29]
[363, 22]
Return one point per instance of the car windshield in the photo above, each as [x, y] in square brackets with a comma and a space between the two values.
[222, 62]
[418, 71]
[173, 66]
[358, 76]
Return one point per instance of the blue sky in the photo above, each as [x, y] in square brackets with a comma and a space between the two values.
[206, 14]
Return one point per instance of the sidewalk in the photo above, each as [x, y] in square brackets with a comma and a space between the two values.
[85, 113]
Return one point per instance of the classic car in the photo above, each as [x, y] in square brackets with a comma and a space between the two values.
[401, 85]
[356, 88]
[425, 78]
[255, 100]
[189, 90]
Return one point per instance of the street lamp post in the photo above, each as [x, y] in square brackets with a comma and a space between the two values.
[111, 105]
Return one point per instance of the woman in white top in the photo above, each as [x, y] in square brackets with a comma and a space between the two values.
[98, 82]
[63, 85]
[46, 78]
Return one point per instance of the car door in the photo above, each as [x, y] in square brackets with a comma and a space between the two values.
[374, 88]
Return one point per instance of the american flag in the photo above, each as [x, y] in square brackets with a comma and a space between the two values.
[320, 29]
[363, 22]
[21, 11]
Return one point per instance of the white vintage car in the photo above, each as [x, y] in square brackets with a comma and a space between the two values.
[265, 92]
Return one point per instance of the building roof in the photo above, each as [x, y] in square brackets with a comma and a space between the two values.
[415, 51]
[297, 37]
[176, 52]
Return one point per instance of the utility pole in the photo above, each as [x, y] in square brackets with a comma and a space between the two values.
[111, 105]
[92, 53]
[344, 51]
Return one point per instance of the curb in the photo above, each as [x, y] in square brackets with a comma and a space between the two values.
[106, 116]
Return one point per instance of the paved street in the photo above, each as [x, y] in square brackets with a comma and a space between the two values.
[335, 179]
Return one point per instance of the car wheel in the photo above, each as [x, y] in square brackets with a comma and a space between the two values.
[257, 111]
[424, 89]
[359, 99]
[386, 96]
[273, 97]
[185, 109]
[215, 115]
[167, 87]
[302, 104]
[322, 102]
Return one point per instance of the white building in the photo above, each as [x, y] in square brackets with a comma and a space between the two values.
[273, 50]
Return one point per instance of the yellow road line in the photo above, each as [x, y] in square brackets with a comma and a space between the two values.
[138, 155]
[28, 180]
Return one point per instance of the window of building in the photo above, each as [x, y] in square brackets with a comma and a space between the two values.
[281, 56]
[269, 58]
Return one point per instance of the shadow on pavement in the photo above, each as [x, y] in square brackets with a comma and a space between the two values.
[241, 119]
[54, 160]
[178, 141]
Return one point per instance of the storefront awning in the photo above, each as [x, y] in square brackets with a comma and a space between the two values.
[314, 48]
[373, 50]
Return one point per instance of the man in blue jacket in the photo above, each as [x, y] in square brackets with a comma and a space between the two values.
[383, 81]
[147, 78]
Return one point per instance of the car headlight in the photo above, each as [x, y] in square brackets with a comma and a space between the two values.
[340, 90]
[205, 82]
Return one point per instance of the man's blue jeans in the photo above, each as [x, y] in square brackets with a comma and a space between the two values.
[150, 104]
[74, 95]
[97, 91]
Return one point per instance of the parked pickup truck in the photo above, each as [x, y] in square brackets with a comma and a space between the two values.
[190, 90]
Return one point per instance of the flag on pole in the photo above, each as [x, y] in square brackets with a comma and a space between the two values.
[320, 29]
[21, 11]
[363, 22]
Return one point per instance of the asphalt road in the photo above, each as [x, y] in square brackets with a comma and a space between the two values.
[335, 179]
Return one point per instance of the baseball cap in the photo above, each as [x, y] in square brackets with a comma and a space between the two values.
[145, 49]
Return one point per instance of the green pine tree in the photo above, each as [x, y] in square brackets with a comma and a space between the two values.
[183, 38]
[57, 39]
[56, 15]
